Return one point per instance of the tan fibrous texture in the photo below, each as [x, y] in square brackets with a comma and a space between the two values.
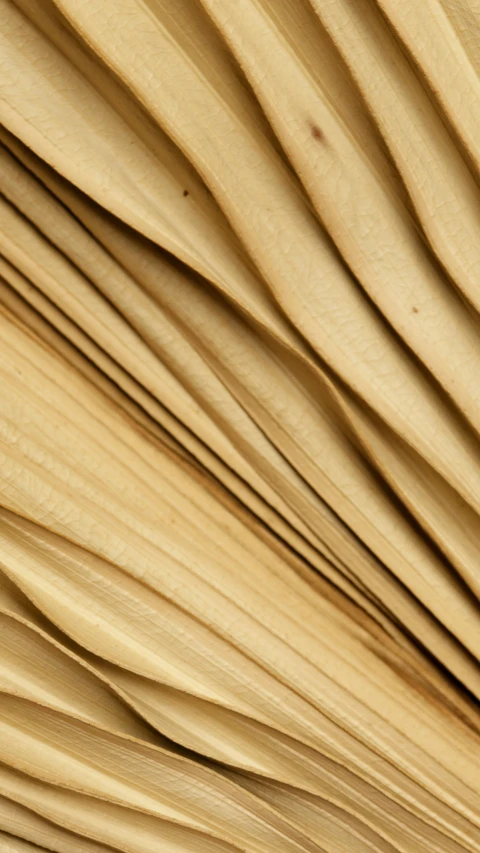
[239, 426]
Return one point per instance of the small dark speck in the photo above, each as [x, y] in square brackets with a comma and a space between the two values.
[415, 310]
[317, 133]
[185, 193]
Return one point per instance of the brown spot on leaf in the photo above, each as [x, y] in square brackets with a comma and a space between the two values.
[415, 309]
[317, 133]
[185, 193]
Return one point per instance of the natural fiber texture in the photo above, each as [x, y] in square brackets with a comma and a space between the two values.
[239, 427]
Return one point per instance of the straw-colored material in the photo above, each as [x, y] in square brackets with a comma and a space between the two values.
[239, 426]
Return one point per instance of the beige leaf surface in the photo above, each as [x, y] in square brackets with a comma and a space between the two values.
[239, 426]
